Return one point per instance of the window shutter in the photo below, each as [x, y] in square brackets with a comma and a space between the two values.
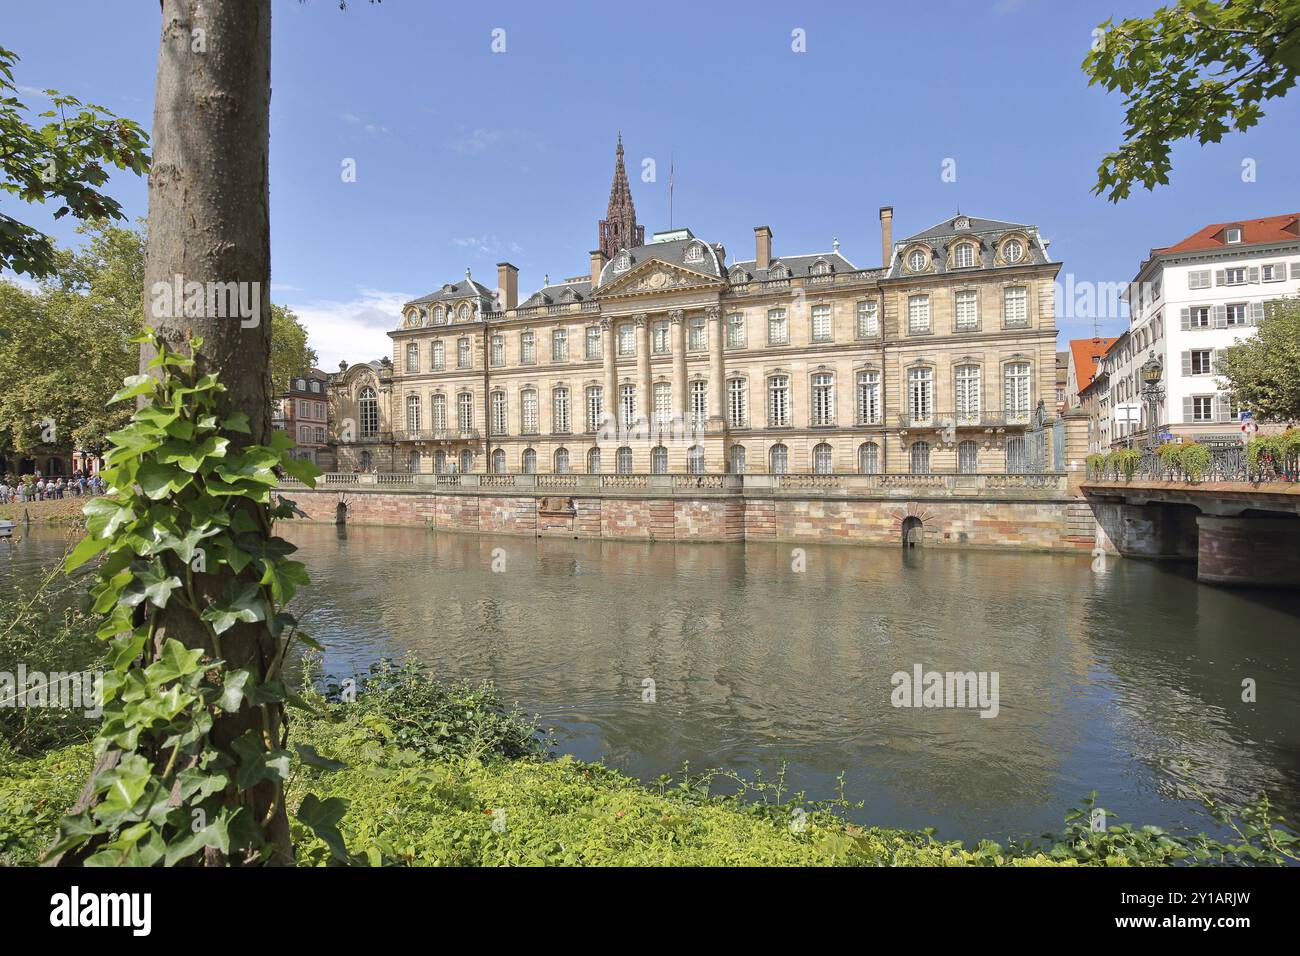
[1256, 313]
[1220, 407]
[1252, 274]
[1295, 270]
[1185, 319]
[1219, 278]
[1279, 271]
[1187, 363]
[1220, 316]
[1187, 408]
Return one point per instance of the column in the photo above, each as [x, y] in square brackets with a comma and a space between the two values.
[611, 374]
[677, 318]
[645, 400]
[717, 374]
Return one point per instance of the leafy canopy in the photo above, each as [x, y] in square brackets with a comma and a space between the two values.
[1263, 371]
[64, 159]
[1197, 69]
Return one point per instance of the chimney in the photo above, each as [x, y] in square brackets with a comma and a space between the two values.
[886, 234]
[508, 283]
[597, 263]
[762, 247]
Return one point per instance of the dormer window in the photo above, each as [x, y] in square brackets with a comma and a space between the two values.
[778, 271]
[464, 313]
[1232, 234]
[916, 260]
[963, 256]
[695, 253]
[961, 222]
[739, 276]
[438, 317]
[622, 262]
[820, 268]
[1013, 250]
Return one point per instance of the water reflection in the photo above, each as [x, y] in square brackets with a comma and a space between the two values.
[1106, 679]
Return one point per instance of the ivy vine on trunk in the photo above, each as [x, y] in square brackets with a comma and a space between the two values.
[192, 755]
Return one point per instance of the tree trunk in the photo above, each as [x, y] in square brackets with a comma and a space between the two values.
[209, 223]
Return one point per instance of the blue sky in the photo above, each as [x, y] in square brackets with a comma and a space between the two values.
[465, 157]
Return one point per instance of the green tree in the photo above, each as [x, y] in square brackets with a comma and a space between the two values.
[1197, 69]
[290, 353]
[64, 160]
[1263, 371]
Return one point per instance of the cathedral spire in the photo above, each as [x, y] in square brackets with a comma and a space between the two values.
[618, 230]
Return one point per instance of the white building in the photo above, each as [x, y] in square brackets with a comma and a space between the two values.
[1188, 303]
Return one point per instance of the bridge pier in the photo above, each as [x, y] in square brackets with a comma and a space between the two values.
[1248, 551]
[1156, 531]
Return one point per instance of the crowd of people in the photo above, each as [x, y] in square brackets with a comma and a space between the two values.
[39, 488]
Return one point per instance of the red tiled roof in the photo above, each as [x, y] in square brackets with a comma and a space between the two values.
[1087, 353]
[1253, 232]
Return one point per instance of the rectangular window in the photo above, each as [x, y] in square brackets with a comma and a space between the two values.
[498, 413]
[738, 403]
[465, 411]
[626, 339]
[1202, 408]
[821, 323]
[697, 334]
[736, 330]
[1199, 317]
[498, 350]
[627, 405]
[560, 411]
[778, 332]
[778, 401]
[868, 319]
[1015, 392]
[659, 338]
[528, 348]
[868, 398]
[918, 314]
[595, 407]
[593, 343]
[463, 353]
[967, 311]
[439, 359]
[1200, 362]
[663, 403]
[699, 403]
[1015, 307]
[1198, 279]
[528, 412]
[560, 345]
[823, 399]
[966, 384]
[413, 357]
[1234, 276]
[920, 394]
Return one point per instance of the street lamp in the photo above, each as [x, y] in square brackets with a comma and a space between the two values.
[1152, 371]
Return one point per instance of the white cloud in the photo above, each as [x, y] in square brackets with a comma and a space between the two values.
[354, 330]
[479, 140]
[487, 245]
[355, 120]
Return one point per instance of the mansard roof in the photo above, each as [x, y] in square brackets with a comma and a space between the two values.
[465, 288]
[988, 234]
[797, 265]
[673, 252]
[575, 290]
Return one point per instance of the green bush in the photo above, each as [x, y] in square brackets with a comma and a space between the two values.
[1193, 459]
[1124, 461]
[1095, 466]
[1267, 455]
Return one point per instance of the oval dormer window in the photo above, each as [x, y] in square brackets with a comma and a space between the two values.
[695, 252]
[622, 262]
[1013, 250]
[916, 260]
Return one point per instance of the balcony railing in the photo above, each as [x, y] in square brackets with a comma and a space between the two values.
[437, 434]
[1227, 463]
[981, 419]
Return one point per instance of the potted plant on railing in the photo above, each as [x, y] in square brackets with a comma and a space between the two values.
[1273, 457]
[1125, 461]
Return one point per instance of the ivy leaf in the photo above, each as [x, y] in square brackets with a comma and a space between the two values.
[322, 818]
[256, 763]
[158, 480]
[105, 515]
[238, 422]
[132, 386]
[232, 692]
[284, 577]
[308, 755]
[245, 604]
[176, 661]
[190, 457]
[302, 469]
[84, 551]
[215, 834]
[152, 584]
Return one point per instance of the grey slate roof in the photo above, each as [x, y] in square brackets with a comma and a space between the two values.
[987, 232]
[559, 294]
[796, 265]
[455, 290]
[672, 252]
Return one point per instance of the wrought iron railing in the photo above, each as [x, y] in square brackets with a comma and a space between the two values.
[1226, 463]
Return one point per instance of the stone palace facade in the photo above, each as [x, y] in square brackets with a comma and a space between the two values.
[665, 358]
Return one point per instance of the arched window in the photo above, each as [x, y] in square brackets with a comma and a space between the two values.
[869, 458]
[623, 460]
[561, 461]
[964, 256]
[659, 460]
[695, 460]
[412, 413]
[593, 461]
[968, 457]
[439, 462]
[466, 461]
[737, 460]
[778, 459]
[1017, 460]
[920, 458]
[823, 459]
[530, 461]
[499, 461]
[368, 404]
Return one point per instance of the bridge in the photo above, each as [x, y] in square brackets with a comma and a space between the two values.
[1239, 522]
